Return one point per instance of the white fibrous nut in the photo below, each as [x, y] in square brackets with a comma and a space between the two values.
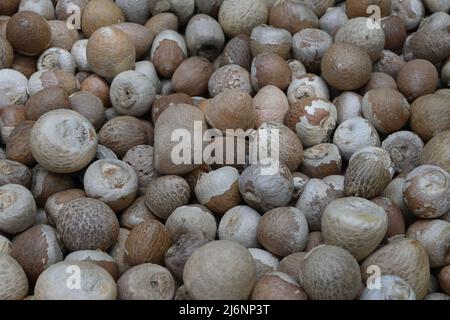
[111, 181]
[333, 19]
[192, 218]
[410, 11]
[358, 31]
[204, 37]
[313, 200]
[132, 93]
[391, 288]
[183, 9]
[353, 135]
[241, 16]
[313, 119]
[78, 52]
[230, 77]
[265, 187]
[309, 46]
[321, 161]
[355, 224]
[266, 38]
[271, 105]
[13, 87]
[5, 245]
[348, 105]
[148, 68]
[51, 78]
[117, 251]
[97, 257]
[239, 224]
[137, 11]
[426, 191]
[218, 190]
[405, 149]
[95, 282]
[44, 8]
[13, 280]
[297, 68]
[336, 183]
[63, 141]
[18, 208]
[56, 58]
[307, 86]
[264, 261]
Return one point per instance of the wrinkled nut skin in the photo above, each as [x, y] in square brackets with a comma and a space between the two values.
[54, 206]
[277, 286]
[13, 280]
[436, 151]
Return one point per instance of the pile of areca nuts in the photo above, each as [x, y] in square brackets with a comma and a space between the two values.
[108, 110]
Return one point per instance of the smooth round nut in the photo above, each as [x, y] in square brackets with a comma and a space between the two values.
[240, 224]
[417, 78]
[18, 208]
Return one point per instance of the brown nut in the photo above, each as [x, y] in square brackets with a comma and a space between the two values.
[168, 52]
[241, 16]
[277, 286]
[271, 105]
[12, 172]
[436, 151]
[46, 100]
[292, 16]
[321, 161]
[417, 78]
[395, 33]
[54, 206]
[405, 149]
[98, 87]
[192, 76]
[100, 13]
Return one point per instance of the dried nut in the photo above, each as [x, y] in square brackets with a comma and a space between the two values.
[192, 76]
[386, 109]
[395, 33]
[444, 279]
[330, 273]
[321, 160]
[123, 133]
[9, 7]
[314, 120]
[148, 69]
[277, 286]
[270, 69]
[147, 243]
[231, 109]
[380, 80]
[192, 218]
[265, 261]
[96, 257]
[241, 16]
[430, 115]
[333, 19]
[436, 151]
[283, 231]
[182, 9]
[24, 64]
[87, 224]
[348, 105]
[359, 8]
[64, 34]
[410, 11]
[89, 106]
[292, 16]
[29, 33]
[54, 206]
[264, 187]
[220, 270]
[112, 181]
[163, 102]
[316, 196]
[165, 194]
[229, 77]
[63, 141]
[389, 63]
[141, 36]
[354, 224]
[98, 87]
[309, 46]
[13, 280]
[12, 172]
[13, 87]
[307, 85]
[18, 208]
[336, 183]
[168, 52]
[180, 117]
[46, 100]
[36, 249]
[405, 149]
[177, 255]
[133, 284]
[396, 222]
[96, 283]
[240, 224]
[50, 78]
[266, 38]
[394, 191]
[369, 172]
[204, 37]
[426, 191]
[354, 134]
[140, 158]
[7, 53]
[402, 257]
[417, 78]
[437, 296]
[162, 21]
[292, 264]
[136, 213]
[218, 190]
[315, 239]
[5, 245]
[391, 288]
[209, 7]
[346, 66]
[434, 235]
[110, 51]
[117, 251]
[237, 51]
[271, 105]
[10, 117]
[100, 13]
[430, 45]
